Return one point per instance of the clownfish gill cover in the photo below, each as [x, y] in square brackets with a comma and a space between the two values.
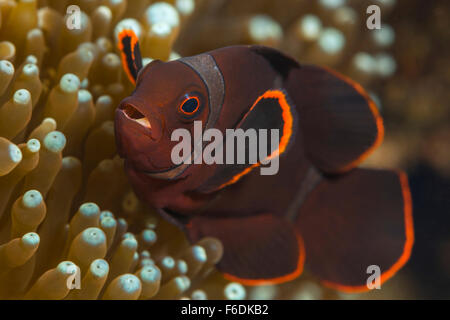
[209, 149]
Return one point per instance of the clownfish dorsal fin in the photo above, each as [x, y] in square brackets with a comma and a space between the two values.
[340, 123]
[131, 54]
[279, 61]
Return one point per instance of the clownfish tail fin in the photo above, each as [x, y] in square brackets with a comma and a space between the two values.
[131, 54]
[364, 223]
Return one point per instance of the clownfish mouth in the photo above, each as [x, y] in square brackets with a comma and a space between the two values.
[135, 115]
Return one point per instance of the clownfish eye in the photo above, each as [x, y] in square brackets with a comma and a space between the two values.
[189, 106]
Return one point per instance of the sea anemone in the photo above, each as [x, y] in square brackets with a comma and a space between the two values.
[65, 203]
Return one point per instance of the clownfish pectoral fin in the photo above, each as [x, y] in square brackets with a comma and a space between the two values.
[259, 249]
[340, 123]
[270, 112]
[355, 225]
[131, 54]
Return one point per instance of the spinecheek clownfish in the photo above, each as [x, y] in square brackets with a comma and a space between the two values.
[318, 212]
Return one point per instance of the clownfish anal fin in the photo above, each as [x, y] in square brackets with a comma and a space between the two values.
[271, 111]
[341, 125]
[365, 221]
[258, 249]
[280, 62]
[131, 54]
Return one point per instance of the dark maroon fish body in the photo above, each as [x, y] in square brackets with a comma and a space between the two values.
[318, 211]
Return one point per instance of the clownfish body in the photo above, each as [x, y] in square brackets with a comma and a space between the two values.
[318, 211]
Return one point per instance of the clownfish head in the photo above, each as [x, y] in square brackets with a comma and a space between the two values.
[168, 96]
